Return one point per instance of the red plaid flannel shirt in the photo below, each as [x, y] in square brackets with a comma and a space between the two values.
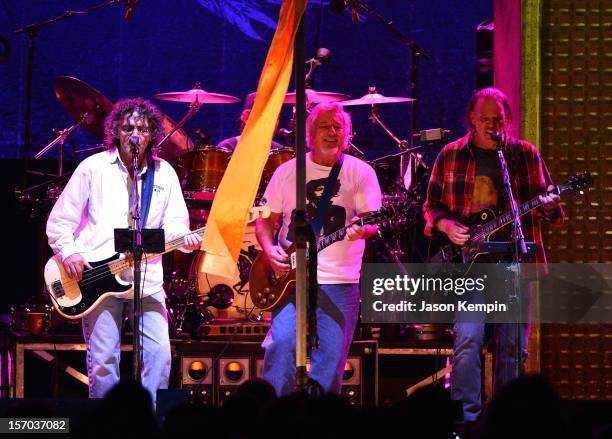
[451, 187]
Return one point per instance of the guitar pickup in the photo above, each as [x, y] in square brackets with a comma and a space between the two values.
[58, 289]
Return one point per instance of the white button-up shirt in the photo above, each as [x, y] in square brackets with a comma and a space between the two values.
[96, 201]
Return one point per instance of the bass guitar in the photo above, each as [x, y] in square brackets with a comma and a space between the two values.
[74, 299]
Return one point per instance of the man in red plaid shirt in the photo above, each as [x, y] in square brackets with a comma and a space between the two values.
[466, 178]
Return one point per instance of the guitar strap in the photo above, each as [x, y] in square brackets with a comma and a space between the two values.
[324, 202]
[147, 190]
[316, 225]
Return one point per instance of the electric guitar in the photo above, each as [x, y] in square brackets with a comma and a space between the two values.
[484, 223]
[74, 299]
[269, 290]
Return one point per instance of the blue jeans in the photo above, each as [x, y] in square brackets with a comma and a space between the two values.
[467, 349]
[102, 332]
[337, 314]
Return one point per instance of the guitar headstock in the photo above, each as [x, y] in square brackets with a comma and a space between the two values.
[577, 183]
[385, 213]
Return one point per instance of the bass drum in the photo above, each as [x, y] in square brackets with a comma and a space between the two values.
[214, 290]
[207, 168]
[276, 158]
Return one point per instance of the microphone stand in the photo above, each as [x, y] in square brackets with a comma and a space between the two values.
[520, 248]
[416, 53]
[32, 31]
[303, 325]
[137, 252]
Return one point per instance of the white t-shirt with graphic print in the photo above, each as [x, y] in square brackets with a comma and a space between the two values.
[357, 191]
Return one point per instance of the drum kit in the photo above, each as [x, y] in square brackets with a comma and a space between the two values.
[194, 298]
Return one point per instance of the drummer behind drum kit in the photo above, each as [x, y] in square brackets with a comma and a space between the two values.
[195, 298]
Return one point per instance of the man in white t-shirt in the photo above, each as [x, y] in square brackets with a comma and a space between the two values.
[355, 193]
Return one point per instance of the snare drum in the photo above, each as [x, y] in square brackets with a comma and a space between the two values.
[276, 158]
[207, 168]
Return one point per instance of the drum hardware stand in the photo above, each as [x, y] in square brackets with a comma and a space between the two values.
[352, 147]
[394, 249]
[32, 31]
[395, 154]
[194, 107]
[405, 146]
[375, 118]
[23, 195]
[93, 149]
[191, 303]
[59, 140]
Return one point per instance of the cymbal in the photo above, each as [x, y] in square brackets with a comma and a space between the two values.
[316, 97]
[177, 144]
[375, 99]
[80, 99]
[197, 94]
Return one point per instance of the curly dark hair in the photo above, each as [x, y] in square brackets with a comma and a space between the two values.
[145, 108]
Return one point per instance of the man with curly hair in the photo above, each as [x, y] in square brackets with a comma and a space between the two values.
[97, 200]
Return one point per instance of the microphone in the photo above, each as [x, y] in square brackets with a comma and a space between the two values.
[495, 136]
[134, 141]
[131, 7]
[323, 55]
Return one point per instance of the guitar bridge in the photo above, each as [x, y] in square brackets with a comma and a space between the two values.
[58, 289]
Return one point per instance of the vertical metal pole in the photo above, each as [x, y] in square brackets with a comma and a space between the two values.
[27, 118]
[413, 109]
[301, 301]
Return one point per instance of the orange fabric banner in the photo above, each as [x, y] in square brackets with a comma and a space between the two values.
[236, 194]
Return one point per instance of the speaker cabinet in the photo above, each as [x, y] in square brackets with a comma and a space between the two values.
[232, 373]
[231, 363]
[197, 376]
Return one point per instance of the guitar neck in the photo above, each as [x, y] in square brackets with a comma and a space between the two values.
[336, 236]
[504, 220]
[180, 241]
[121, 264]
